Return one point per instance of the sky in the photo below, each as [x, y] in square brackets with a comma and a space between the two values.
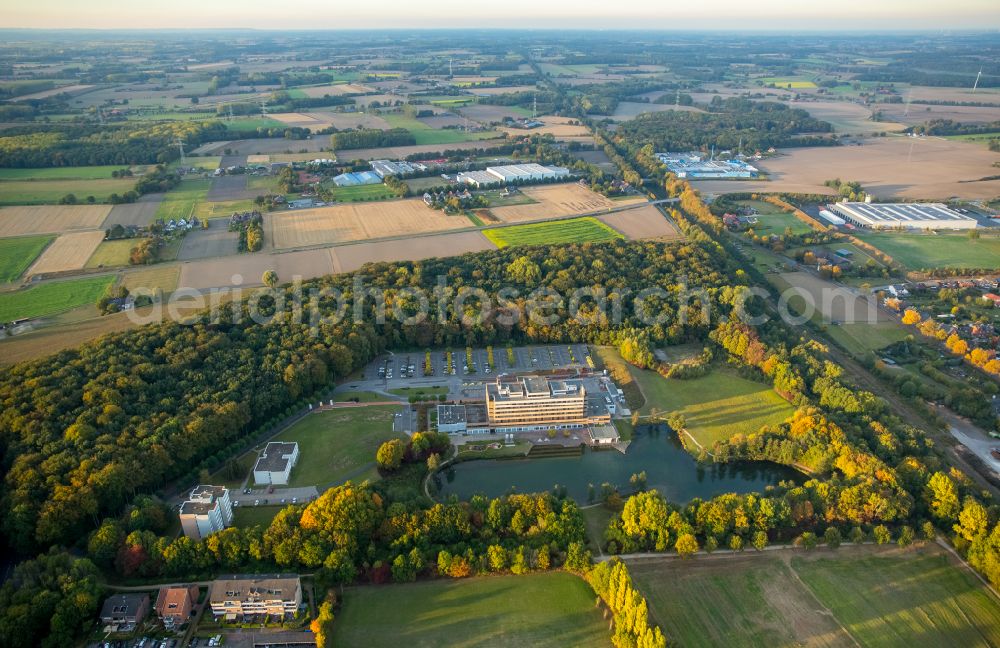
[818, 15]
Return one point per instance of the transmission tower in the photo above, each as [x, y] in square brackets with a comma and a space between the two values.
[534, 106]
[180, 146]
[976, 84]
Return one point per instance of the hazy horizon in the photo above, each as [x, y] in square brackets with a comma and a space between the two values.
[770, 15]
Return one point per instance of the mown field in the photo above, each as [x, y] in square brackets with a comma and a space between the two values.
[716, 406]
[248, 516]
[362, 192]
[16, 254]
[854, 596]
[543, 610]
[63, 173]
[919, 251]
[573, 230]
[45, 192]
[50, 298]
[424, 134]
[862, 337]
[337, 445]
[112, 253]
[772, 220]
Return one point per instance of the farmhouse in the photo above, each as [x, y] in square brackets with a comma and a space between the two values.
[913, 216]
[695, 167]
[275, 465]
[208, 509]
[238, 595]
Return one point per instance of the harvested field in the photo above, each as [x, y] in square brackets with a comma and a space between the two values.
[399, 152]
[301, 120]
[918, 113]
[51, 219]
[347, 258]
[67, 252]
[222, 209]
[489, 92]
[230, 187]
[335, 90]
[342, 223]
[630, 109]
[835, 303]
[567, 199]
[556, 126]
[157, 277]
[489, 114]
[111, 253]
[246, 269]
[959, 95]
[52, 339]
[262, 146]
[139, 213]
[344, 121]
[906, 167]
[442, 121]
[258, 159]
[642, 222]
[846, 116]
[45, 94]
[215, 241]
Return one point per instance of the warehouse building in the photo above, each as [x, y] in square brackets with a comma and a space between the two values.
[694, 166]
[357, 179]
[526, 172]
[913, 216]
[384, 168]
[477, 178]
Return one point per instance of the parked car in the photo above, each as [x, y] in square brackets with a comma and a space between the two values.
[256, 502]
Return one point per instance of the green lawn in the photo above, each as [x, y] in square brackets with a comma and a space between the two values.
[337, 445]
[222, 208]
[861, 337]
[112, 253]
[918, 251]
[516, 198]
[772, 220]
[542, 610]
[44, 192]
[905, 599]
[362, 192]
[180, 202]
[361, 396]
[413, 391]
[63, 173]
[16, 254]
[51, 298]
[573, 230]
[717, 405]
[263, 184]
[248, 516]
[424, 134]
[788, 82]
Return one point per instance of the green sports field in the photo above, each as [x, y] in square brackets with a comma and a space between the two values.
[919, 251]
[853, 596]
[573, 230]
[337, 445]
[543, 610]
[16, 254]
[51, 298]
[717, 405]
[424, 134]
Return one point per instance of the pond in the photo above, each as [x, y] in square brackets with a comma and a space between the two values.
[655, 449]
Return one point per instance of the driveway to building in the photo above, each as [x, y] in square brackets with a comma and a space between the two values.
[279, 496]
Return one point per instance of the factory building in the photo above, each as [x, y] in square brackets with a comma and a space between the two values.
[694, 166]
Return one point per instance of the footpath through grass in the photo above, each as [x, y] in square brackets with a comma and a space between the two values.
[51, 298]
[542, 610]
[339, 444]
[16, 254]
[572, 230]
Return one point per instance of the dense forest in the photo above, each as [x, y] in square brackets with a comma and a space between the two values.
[759, 125]
[76, 145]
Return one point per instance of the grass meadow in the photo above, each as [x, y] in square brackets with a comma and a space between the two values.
[51, 298]
[717, 405]
[542, 610]
[573, 230]
[16, 254]
[337, 445]
[424, 134]
[918, 251]
[112, 253]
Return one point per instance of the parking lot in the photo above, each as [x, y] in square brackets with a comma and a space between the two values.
[408, 369]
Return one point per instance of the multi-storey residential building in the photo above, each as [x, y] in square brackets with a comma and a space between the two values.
[207, 510]
[241, 595]
[275, 465]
